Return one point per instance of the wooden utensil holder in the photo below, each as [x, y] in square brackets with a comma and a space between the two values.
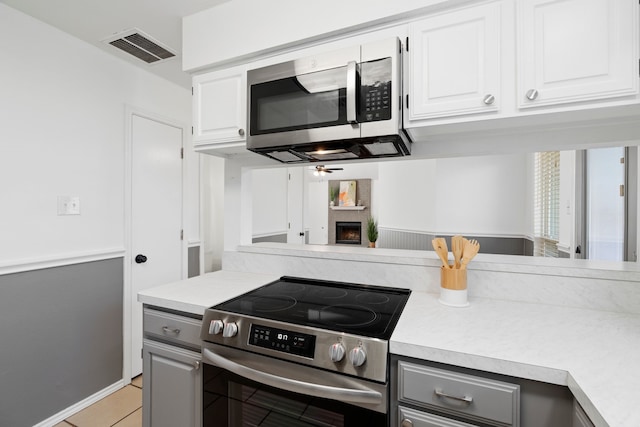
[453, 287]
[453, 278]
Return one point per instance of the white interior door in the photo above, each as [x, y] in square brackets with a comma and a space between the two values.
[156, 215]
[318, 212]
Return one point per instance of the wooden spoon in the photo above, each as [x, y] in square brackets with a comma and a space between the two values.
[456, 247]
[469, 250]
[440, 246]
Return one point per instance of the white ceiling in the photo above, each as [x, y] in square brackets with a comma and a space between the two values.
[95, 20]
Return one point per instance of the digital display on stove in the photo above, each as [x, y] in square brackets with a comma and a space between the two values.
[283, 340]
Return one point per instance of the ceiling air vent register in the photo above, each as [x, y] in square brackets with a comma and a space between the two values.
[140, 45]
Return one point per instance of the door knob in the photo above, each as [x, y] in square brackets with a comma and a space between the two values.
[141, 259]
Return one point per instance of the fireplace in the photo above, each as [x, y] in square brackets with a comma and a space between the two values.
[348, 232]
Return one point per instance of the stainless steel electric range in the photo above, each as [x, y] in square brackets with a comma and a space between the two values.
[300, 352]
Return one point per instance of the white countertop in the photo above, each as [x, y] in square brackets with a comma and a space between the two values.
[197, 294]
[594, 353]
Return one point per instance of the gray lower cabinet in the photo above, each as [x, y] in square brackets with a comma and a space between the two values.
[430, 394]
[172, 376]
[580, 418]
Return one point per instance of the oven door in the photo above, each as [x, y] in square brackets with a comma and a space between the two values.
[247, 389]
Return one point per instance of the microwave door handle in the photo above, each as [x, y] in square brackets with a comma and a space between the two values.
[351, 91]
[302, 387]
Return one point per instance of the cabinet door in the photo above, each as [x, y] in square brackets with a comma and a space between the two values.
[576, 50]
[220, 106]
[172, 386]
[411, 418]
[454, 63]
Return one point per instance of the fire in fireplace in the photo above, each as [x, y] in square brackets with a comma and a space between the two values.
[348, 232]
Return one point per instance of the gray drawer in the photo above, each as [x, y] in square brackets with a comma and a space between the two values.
[465, 395]
[172, 327]
[410, 417]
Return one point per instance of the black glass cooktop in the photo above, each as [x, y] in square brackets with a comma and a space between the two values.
[371, 311]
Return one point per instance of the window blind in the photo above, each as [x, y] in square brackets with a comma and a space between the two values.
[546, 204]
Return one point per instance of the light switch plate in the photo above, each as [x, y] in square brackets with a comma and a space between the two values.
[68, 205]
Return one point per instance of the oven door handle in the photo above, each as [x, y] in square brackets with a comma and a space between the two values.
[302, 387]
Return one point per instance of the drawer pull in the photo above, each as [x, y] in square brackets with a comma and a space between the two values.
[168, 330]
[464, 399]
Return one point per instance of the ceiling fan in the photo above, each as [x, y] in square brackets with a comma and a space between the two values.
[321, 170]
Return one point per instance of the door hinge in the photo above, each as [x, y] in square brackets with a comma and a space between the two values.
[182, 153]
[407, 44]
[621, 190]
[407, 106]
[191, 90]
[191, 130]
[181, 234]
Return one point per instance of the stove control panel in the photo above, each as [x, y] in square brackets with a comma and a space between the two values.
[282, 340]
[354, 355]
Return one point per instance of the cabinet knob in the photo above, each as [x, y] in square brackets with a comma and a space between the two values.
[406, 422]
[241, 132]
[196, 365]
[489, 99]
[140, 259]
[532, 94]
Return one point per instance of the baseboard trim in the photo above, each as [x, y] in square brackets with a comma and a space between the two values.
[39, 263]
[73, 409]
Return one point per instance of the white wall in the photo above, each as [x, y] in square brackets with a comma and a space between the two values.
[212, 211]
[483, 195]
[62, 119]
[269, 208]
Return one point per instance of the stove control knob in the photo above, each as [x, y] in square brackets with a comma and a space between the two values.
[336, 352]
[215, 327]
[358, 356]
[230, 330]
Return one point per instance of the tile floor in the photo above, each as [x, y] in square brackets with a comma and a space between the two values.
[120, 409]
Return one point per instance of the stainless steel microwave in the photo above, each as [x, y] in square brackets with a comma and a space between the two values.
[340, 105]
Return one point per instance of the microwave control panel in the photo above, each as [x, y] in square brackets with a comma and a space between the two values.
[375, 91]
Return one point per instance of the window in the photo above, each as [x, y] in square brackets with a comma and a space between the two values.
[546, 204]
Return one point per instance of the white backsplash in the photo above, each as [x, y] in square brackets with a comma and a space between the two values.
[613, 287]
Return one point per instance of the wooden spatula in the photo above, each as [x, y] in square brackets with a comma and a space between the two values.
[469, 250]
[456, 247]
[440, 246]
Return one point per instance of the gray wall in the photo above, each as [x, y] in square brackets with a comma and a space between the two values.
[193, 261]
[397, 239]
[60, 338]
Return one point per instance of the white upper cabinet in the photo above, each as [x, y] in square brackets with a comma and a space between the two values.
[454, 63]
[575, 50]
[220, 107]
